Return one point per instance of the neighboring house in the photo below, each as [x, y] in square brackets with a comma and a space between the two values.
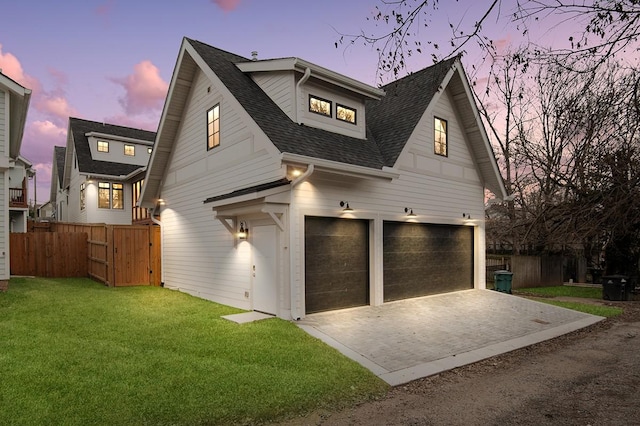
[287, 188]
[19, 174]
[14, 104]
[104, 167]
[45, 211]
[58, 195]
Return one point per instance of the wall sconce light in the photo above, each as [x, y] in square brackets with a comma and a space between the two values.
[409, 212]
[346, 208]
[466, 216]
[243, 232]
[161, 202]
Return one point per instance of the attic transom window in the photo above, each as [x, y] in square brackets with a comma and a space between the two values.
[213, 127]
[103, 146]
[319, 105]
[129, 150]
[440, 136]
[345, 113]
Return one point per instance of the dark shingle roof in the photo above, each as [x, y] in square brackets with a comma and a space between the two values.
[59, 152]
[285, 134]
[249, 190]
[86, 164]
[393, 118]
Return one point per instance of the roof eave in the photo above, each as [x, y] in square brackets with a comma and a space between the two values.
[336, 167]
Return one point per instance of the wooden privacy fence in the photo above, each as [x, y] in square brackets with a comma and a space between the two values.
[47, 254]
[528, 271]
[116, 255]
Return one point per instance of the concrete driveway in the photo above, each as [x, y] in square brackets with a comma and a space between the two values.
[409, 339]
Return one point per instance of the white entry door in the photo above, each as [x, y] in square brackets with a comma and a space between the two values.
[264, 269]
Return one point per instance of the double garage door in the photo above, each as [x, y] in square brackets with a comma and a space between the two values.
[419, 259]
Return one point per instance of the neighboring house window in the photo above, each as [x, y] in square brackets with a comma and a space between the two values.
[104, 195]
[319, 105]
[117, 196]
[213, 127]
[345, 114]
[103, 146]
[440, 146]
[82, 188]
[129, 150]
[137, 213]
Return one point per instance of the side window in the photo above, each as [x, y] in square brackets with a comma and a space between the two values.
[213, 127]
[82, 188]
[104, 195]
[344, 113]
[440, 136]
[129, 150]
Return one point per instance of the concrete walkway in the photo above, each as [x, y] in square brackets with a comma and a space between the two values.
[409, 339]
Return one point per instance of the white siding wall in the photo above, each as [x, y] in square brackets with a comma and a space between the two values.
[280, 86]
[116, 152]
[4, 226]
[108, 216]
[4, 131]
[74, 214]
[199, 253]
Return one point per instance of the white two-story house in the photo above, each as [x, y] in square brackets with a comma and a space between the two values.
[287, 188]
[103, 172]
[14, 104]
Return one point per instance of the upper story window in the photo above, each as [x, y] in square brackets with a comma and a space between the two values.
[129, 149]
[213, 127]
[440, 136]
[345, 113]
[103, 146]
[319, 105]
[82, 188]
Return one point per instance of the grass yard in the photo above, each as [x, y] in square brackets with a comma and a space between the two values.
[546, 293]
[75, 352]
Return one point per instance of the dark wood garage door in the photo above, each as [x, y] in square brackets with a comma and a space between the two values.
[422, 259]
[336, 263]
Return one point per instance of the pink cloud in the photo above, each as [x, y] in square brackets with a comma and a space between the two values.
[39, 139]
[226, 5]
[145, 90]
[43, 182]
[12, 67]
[105, 8]
[56, 106]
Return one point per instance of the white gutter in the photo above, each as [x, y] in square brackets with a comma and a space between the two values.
[113, 177]
[119, 138]
[305, 77]
[339, 168]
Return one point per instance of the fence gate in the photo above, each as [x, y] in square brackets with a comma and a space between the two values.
[133, 255]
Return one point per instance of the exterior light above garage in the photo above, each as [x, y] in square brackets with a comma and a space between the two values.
[345, 205]
[409, 212]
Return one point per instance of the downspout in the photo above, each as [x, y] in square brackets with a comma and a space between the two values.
[159, 223]
[305, 77]
[295, 315]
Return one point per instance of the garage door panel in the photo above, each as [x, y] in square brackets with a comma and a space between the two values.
[423, 259]
[336, 263]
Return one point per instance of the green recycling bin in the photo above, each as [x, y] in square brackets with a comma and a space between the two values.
[502, 281]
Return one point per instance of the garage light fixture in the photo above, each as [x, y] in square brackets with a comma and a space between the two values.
[409, 212]
[466, 216]
[243, 232]
[345, 205]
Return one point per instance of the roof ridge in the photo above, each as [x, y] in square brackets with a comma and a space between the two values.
[416, 74]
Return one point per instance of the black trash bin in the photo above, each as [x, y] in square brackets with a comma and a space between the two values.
[616, 287]
[502, 281]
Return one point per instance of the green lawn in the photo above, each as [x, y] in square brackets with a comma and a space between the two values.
[75, 352]
[573, 291]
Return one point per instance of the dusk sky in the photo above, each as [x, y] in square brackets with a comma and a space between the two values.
[112, 60]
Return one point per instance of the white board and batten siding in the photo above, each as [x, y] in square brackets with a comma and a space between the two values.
[200, 256]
